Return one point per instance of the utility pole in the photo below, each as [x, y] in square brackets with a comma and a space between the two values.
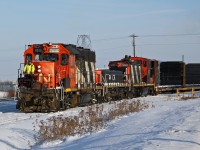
[133, 36]
[84, 41]
[183, 58]
[184, 72]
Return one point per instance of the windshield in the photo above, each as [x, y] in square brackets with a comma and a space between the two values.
[51, 57]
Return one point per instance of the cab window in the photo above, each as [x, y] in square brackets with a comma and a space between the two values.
[145, 64]
[38, 54]
[38, 57]
[64, 59]
[28, 57]
[139, 62]
[51, 57]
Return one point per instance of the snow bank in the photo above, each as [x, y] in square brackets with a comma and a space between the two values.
[171, 124]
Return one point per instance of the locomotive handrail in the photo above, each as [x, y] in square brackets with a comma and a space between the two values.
[20, 70]
[17, 90]
[62, 91]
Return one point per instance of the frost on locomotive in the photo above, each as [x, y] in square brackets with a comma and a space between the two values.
[60, 70]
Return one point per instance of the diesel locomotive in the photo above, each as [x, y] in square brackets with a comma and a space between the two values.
[66, 76]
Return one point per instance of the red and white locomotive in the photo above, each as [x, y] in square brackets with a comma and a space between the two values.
[66, 76]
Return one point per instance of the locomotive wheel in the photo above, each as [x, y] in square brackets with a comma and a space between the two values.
[129, 95]
[107, 98]
[145, 91]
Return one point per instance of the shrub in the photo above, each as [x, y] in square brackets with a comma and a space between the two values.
[90, 120]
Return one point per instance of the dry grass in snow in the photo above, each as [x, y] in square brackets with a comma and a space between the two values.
[89, 120]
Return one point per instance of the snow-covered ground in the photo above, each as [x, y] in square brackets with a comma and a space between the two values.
[170, 124]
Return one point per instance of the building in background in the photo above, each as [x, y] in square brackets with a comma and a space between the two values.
[7, 89]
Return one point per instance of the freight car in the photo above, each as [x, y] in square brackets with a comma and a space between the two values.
[65, 77]
[192, 73]
[172, 73]
[177, 73]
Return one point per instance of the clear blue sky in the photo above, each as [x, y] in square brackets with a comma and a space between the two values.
[40, 21]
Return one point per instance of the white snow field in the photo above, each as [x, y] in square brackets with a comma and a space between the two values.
[171, 124]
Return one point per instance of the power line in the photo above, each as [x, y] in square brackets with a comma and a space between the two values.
[159, 35]
[111, 38]
[121, 47]
[153, 35]
[164, 44]
[170, 44]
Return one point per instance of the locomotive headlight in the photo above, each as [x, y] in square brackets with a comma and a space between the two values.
[39, 70]
[39, 67]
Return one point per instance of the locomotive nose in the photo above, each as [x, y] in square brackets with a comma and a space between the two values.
[45, 73]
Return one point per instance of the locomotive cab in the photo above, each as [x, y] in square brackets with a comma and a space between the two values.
[149, 69]
[51, 64]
